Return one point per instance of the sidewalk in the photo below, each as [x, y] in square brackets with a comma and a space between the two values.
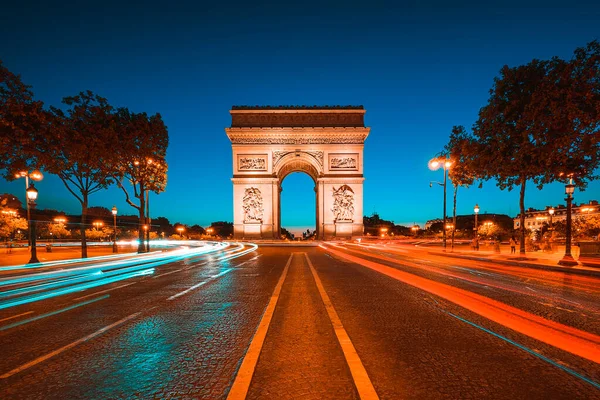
[537, 259]
[21, 255]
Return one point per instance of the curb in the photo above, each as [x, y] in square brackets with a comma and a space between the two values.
[584, 272]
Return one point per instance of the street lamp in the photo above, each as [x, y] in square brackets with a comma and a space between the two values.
[568, 259]
[180, 230]
[114, 213]
[436, 164]
[34, 175]
[32, 195]
[476, 211]
[415, 228]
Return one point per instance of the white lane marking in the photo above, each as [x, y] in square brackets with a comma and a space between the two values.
[16, 316]
[210, 279]
[104, 291]
[241, 384]
[359, 374]
[196, 286]
[67, 347]
[166, 273]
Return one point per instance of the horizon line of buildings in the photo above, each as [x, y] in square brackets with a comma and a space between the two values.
[535, 218]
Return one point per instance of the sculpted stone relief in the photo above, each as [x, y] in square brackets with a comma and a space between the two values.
[317, 155]
[343, 161]
[252, 163]
[253, 206]
[343, 204]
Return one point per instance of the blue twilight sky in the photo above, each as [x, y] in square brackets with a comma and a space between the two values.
[418, 67]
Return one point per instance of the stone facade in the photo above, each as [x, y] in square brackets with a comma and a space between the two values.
[269, 143]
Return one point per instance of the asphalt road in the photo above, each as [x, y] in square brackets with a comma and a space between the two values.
[341, 321]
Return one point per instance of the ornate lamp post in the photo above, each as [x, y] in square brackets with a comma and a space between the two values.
[34, 175]
[435, 164]
[568, 259]
[114, 213]
[32, 195]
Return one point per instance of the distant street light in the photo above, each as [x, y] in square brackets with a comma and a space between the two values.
[114, 213]
[551, 212]
[476, 210]
[383, 231]
[415, 228]
[32, 195]
[568, 259]
[180, 230]
[436, 164]
[98, 224]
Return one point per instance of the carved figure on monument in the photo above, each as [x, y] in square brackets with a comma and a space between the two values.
[343, 163]
[253, 205]
[253, 163]
[343, 204]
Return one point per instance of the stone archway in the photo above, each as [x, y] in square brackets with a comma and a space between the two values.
[297, 164]
[269, 143]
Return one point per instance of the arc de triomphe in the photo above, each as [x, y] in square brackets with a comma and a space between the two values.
[269, 143]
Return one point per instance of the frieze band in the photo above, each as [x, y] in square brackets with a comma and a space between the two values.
[249, 163]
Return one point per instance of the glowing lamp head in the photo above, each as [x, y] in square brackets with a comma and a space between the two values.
[114, 210]
[447, 164]
[32, 193]
[551, 211]
[569, 189]
[434, 164]
[36, 175]
[476, 209]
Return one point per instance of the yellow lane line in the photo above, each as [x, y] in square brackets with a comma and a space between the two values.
[240, 386]
[359, 374]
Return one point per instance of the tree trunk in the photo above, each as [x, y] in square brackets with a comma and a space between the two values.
[522, 217]
[454, 218]
[141, 245]
[84, 207]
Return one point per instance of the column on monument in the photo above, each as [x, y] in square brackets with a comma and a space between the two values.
[321, 208]
[276, 209]
[317, 228]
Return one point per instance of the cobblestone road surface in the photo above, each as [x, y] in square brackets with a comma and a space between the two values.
[412, 344]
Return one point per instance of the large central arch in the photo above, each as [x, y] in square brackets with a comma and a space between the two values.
[269, 143]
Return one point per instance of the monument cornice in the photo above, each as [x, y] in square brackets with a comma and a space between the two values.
[298, 136]
[298, 111]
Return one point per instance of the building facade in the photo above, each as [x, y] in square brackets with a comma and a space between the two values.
[535, 219]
